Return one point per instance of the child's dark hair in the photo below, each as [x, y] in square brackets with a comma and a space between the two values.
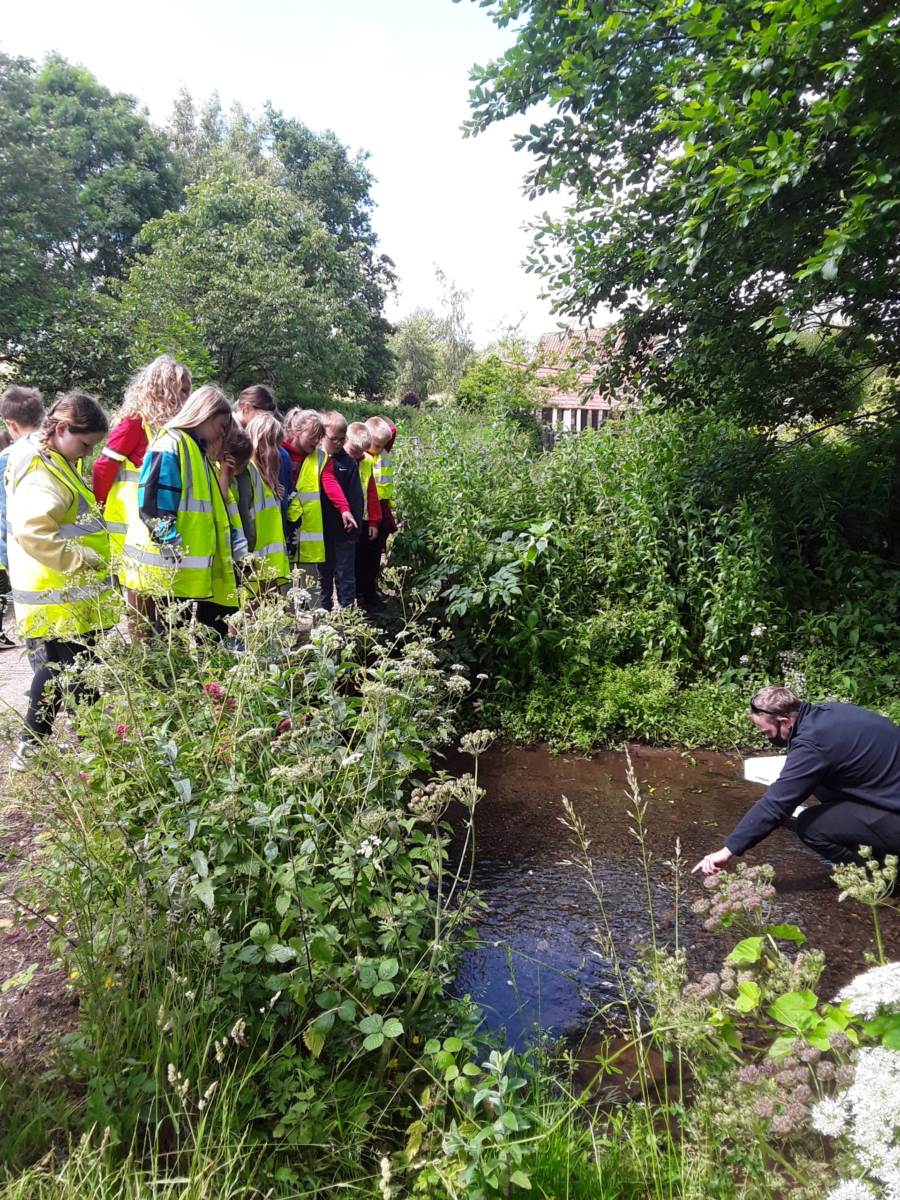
[238, 445]
[80, 412]
[24, 405]
[260, 397]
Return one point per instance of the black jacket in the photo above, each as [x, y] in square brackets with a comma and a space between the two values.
[835, 751]
[346, 472]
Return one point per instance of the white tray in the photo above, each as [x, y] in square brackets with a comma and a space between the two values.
[764, 770]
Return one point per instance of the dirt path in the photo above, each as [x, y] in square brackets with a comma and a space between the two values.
[36, 1010]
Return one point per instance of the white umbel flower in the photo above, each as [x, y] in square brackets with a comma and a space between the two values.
[874, 991]
[829, 1116]
[850, 1189]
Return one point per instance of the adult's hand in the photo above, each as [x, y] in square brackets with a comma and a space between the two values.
[348, 520]
[713, 862]
[373, 532]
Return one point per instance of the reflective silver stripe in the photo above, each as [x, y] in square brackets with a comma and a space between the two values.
[204, 506]
[272, 548]
[148, 558]
[127, 476]
[79, 530]
[266, 502]
[311, 537]
[233, 509]
[87, 591]
[307, 496]
[240, 549]
[117, 527]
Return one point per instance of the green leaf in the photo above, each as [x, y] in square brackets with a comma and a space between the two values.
[393, 1028]
[205, 893]
[789, 932]
[324, 1021]
[520, 1179]
[373, 1041]
[388, 968]
[368, 977]
[320, 951]
[314, 1039]
[201, 866]
[794, 1009]
[383, 988]
[371, 1024]
[259, 933]
[453, 1044]
[749, 996]
[747, 951]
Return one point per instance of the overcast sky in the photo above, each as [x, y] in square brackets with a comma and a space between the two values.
[388, 76]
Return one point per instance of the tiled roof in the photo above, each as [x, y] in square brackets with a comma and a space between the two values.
[575, 354]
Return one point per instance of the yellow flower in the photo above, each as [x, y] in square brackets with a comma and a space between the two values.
[74, 975]
[395, 1062]
[110, 982]
[415, 1040]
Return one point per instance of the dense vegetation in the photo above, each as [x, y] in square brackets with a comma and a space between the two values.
[639, 581]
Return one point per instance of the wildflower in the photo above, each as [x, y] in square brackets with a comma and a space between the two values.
[476, 743]
[482, 676]
[850, 1189]
[109, 982]
[782, 1124]
[824, 1070]
[870, 883]
[172, 1074]
[368, 845]
[207, 1095]
[384, 1183]
[74, 974]
[456, 683]
[214, 689]
[829, 1116]
[237, 1032]
[220, 1050]
[744, 660]
[122, 732]
[872, 992]
[748, 1074]
[839, 1041]
[84, 775]
[801, 1094]
[758, 630]
[189, 995]
[284, 725]
[764, 1108]
[811, 1054]
[844, 1075]
[349, 759]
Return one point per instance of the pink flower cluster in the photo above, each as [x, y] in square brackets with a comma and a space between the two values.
[742, 895]
[794, 1078]
[216, 692]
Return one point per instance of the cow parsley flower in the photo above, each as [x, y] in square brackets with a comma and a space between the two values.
[872, 992]
[850, 1189]
[829, 1116]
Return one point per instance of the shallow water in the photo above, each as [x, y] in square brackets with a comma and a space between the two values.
[539, 966]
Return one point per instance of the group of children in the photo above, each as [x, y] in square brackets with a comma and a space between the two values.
[205, 503]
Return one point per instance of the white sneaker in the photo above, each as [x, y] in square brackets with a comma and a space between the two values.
[24, 757]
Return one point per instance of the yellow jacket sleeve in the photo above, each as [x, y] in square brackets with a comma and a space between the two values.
[36, 508]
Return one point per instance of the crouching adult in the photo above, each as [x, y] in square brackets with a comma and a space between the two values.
[847, 757]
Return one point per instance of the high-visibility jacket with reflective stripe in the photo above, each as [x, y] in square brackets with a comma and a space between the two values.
[239, 547]
[270, 553]
[307, 504]
[200, 567]
[384, 475]
[122, 501]
[50, 603]
[366, 467]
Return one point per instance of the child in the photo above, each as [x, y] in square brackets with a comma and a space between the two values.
[250, 403]
[58, 557]
[22, 410]
[154, 396]
[181, 541]
[383, 436]
[304, 430]
[358, 442]
[342, 509]
[266, 539]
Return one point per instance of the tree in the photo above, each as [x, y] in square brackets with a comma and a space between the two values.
[414, 346]
[245, 282]
[491, 383]
[734, 170]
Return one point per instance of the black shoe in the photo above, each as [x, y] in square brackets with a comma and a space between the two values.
[6, 642]
[371, 604]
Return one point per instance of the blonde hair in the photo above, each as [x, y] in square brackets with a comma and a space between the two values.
[265, 433]
[335, 419]
[304, 419]
[208, 401]
[359, 436]
[154, 392]
[80, 412]
[380, 429]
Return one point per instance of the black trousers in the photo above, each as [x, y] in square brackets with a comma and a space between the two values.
[368, 563]
[46, 695]
[837, 827]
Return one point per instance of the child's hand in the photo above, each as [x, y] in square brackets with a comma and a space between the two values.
[373, 532]
[349, 523]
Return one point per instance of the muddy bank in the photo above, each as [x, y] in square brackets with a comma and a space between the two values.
[539, 965]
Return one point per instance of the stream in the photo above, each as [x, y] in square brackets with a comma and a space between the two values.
[538, 966]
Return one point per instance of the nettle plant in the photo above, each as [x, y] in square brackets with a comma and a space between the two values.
[242, 877]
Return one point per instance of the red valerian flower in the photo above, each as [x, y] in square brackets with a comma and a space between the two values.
[122, 732]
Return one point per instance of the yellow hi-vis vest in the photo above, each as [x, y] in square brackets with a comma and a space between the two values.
[384, 475]
[270, 553]
[366, 467]
[122, 501]
[200, 567]
[52, 604]
[307, 504]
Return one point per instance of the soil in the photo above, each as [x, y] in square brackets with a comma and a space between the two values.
[541, 964]
[35, 1014]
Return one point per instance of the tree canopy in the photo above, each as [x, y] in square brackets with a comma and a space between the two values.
[734, 169]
